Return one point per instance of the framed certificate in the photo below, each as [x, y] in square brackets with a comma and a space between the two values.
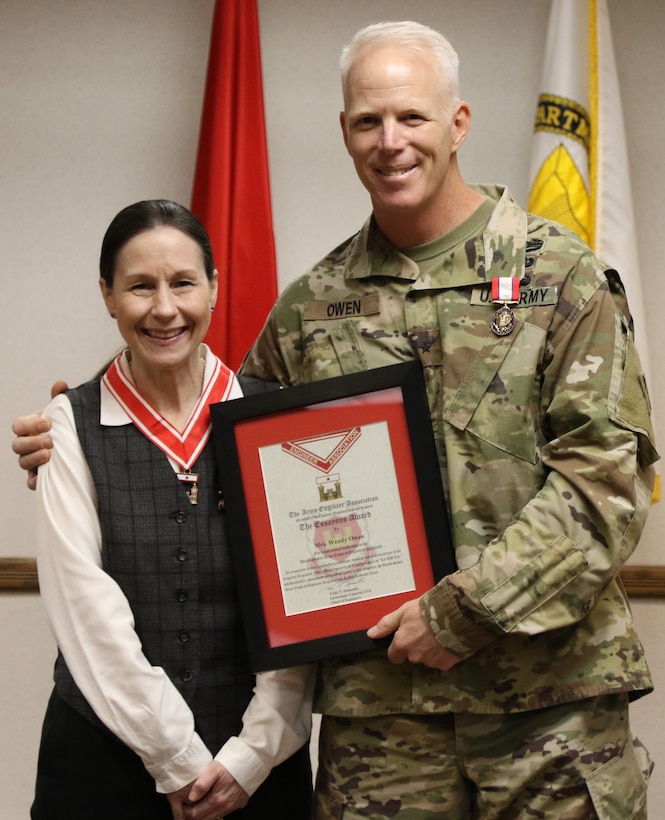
[335, 509]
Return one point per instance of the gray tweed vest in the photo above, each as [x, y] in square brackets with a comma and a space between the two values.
[172, 561]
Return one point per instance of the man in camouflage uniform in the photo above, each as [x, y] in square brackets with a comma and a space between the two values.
[504, 693]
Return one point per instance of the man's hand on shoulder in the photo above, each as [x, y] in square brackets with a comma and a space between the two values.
[33, 443]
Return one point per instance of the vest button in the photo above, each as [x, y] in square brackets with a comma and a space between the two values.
[182, 554]
[186, 675]
[180, 517]
[183, 637]
[181, 595]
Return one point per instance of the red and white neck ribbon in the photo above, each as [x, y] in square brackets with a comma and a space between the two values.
[183, 448]
[505, 289]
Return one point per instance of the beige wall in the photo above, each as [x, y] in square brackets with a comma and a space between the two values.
[99, 106]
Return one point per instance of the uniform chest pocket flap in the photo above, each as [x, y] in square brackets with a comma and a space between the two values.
[497, 400]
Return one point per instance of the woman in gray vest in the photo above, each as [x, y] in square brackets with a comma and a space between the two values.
[155, 712]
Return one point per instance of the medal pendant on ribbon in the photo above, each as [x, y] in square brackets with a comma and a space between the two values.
[191, 482]
[505, 290]
[503, 321]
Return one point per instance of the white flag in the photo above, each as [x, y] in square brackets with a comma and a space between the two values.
[579, 164]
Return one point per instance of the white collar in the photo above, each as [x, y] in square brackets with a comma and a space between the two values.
[113, 415]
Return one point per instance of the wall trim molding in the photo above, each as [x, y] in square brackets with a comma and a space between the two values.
[640, 580]
[18, 575]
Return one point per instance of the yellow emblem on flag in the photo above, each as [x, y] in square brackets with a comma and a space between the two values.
[558, 192]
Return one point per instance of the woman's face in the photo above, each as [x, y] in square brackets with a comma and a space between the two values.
[161, 299]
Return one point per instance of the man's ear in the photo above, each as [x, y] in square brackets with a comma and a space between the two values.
[342, 122]
[460, 125]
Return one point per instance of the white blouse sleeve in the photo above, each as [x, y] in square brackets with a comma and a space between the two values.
[276, 723]
[93, 624]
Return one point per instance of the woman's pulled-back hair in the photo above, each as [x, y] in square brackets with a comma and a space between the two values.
[144, 216]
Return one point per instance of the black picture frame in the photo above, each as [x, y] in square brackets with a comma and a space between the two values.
[391, 400]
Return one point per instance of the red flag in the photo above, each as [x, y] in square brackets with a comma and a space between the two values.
[231, 193]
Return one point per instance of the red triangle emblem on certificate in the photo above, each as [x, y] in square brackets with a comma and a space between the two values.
[323, 452]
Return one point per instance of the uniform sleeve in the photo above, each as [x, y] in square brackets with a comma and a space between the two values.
[265, 359]
[548, 567]
[93, 623]
[276, 724]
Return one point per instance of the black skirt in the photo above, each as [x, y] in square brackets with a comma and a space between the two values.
[84, 771]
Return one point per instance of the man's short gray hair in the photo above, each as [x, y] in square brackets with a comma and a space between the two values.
[409, 36]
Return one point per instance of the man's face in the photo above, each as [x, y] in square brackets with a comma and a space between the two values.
[400, 129]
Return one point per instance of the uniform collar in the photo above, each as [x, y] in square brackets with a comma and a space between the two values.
[499, 251]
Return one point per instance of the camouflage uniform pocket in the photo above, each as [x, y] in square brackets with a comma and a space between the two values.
[543, 578]
[498, 399]
[332, 353]
[628, 403]
[618, 789]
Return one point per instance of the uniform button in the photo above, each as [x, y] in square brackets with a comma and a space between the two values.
[186, 675]
[182, 554]
[183, 637]
[181, 595]
[180, 517]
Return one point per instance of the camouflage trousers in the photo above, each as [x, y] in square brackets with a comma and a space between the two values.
[576, 761]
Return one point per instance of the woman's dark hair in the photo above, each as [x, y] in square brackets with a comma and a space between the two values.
[144, 216]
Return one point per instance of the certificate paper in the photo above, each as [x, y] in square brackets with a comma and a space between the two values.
[339, 536]
[335, 510]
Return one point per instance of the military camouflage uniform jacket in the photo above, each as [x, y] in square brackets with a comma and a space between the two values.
[545, 446]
